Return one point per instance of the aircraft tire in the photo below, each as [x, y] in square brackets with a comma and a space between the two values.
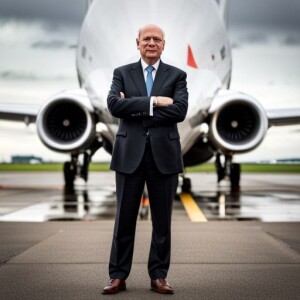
[235, 175]
[186, 185]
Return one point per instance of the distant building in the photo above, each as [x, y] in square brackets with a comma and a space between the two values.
[26, 159]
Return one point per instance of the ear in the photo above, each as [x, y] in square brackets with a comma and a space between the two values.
[137, 43]
[164, 42]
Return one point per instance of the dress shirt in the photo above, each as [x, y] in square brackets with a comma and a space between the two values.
[155, 66]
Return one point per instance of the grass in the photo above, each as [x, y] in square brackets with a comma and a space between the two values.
[100, 167]
[47, 167]
[252, 168]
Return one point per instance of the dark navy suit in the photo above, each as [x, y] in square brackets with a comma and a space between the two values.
[147, 149]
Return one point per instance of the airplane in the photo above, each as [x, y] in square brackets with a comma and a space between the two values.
[220, 122]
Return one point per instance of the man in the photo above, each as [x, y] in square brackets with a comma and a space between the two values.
[149, 101]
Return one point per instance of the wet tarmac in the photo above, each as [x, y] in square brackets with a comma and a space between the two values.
[41, 197]
[213, 257]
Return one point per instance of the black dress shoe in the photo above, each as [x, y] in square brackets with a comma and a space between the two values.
[161, 286]
[114, 286]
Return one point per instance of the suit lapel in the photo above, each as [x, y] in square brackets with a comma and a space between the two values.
[136, 72]
[160, 77]
[138, 78]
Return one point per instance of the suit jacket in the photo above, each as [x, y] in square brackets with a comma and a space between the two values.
[135, 122]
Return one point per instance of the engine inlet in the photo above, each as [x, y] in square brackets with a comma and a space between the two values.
[65, 122]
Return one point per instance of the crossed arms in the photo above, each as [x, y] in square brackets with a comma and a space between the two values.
[166, 109]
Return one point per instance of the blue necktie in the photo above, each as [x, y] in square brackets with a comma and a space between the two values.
[149, 79]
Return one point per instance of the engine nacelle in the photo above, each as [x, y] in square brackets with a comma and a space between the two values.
[66, 122]
[238, 122]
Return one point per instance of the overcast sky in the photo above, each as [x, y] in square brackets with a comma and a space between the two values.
[65, 11]
[271, 13]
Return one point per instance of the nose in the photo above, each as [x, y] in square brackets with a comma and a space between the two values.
[151, 42]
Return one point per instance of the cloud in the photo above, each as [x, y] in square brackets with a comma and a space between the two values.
[52, 44]
[30, 51]
[32, 75]
[292, 40]
[36, 34]
[271, 14]
[63, 11]
[7, 74]
[268, 13]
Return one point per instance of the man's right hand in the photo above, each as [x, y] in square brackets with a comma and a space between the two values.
[163, 101]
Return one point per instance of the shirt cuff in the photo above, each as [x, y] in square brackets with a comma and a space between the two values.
[151, 106]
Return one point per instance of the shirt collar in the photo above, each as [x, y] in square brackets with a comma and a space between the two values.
[145, 65]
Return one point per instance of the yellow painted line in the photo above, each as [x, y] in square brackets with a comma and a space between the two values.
[193, 210]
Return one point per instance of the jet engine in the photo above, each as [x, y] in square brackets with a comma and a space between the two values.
[238, 122]
[66, 122]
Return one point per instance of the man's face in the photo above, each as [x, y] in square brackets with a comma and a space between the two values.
[150, 43]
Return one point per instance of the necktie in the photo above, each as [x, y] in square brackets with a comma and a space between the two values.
[149, 79]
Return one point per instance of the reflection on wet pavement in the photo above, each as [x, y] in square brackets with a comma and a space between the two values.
[81, 204]
[72, 203]
[42, 197]
[245, 206]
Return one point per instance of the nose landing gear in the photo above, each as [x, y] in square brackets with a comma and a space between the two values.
[228, 169]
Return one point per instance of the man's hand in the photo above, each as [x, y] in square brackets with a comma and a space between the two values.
[163, 101]
[122, 95]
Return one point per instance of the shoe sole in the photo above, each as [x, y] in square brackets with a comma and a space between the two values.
[161, 292]
[111, 293]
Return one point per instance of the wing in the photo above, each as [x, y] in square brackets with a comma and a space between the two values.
[19, 112]
[283, 116]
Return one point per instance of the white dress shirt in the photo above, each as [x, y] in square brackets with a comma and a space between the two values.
[155, 66]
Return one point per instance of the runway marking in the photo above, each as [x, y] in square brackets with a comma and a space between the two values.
[193, 210]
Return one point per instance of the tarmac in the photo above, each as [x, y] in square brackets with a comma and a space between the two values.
[217, 259]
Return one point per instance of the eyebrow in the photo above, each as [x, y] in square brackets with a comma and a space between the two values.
[152, 37]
